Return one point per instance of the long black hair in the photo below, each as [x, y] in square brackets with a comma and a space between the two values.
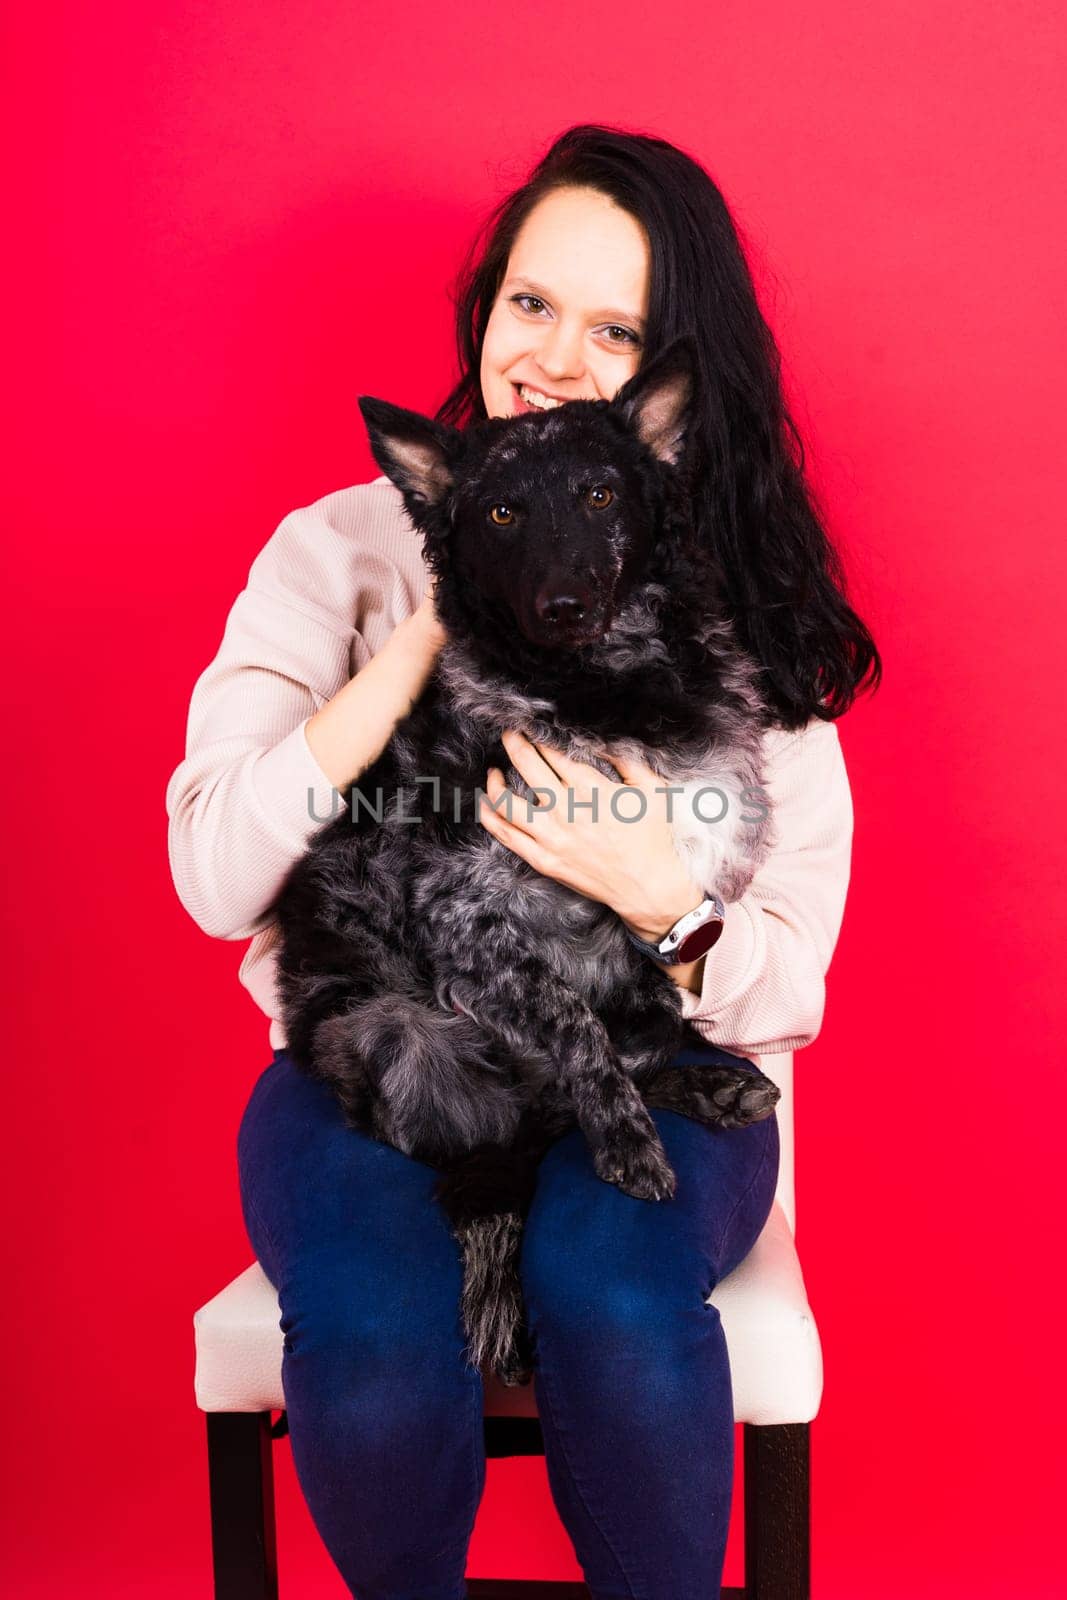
[785, 584]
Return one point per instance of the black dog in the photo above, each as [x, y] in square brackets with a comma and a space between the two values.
[465, 1008]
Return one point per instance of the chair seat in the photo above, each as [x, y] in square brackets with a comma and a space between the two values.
[773, 1343]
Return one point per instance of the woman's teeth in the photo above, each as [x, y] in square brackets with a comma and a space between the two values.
[544, 402]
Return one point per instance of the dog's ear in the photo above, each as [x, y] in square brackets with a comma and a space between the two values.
[413, 450]
[657, 401]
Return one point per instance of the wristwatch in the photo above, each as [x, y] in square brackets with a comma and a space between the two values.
[690, 938]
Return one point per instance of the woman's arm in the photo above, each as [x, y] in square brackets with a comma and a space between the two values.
[762, 985]
[276, 721]
[351, 730]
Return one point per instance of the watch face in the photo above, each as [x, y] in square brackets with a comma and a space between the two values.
[699, 942]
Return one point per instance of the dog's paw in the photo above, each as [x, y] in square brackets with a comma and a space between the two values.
[740, 1098]
[718, 1096]
[638, 1167]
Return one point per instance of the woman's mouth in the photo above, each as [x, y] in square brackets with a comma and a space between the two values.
[527, 399]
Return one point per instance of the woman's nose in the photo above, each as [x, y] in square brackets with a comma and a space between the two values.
[560, 353]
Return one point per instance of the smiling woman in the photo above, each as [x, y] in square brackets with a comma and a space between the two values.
[615, 245]
[567, 321]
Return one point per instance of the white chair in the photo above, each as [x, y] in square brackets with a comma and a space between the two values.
[775, 1366]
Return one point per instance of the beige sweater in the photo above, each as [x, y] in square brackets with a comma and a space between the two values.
[322, 597]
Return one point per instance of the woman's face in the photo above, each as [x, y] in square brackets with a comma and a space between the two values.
[569, 318]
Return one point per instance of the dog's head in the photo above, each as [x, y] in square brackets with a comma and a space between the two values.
[539, 526]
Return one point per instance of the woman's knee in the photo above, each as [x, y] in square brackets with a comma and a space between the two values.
[390, 1321]
[608, 1289]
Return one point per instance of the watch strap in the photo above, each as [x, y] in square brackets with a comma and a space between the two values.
[690, 937]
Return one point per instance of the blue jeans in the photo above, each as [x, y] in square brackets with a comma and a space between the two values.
[632, 1378]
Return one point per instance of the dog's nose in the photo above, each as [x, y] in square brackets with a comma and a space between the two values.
[567, 610]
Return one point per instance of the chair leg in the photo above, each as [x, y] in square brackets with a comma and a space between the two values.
[241, 1475]
[777, 1512]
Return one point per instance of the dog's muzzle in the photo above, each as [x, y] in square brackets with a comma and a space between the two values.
[567, 617]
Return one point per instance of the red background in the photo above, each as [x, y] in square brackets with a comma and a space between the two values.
[228, 222]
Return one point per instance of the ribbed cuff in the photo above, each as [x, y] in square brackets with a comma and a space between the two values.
[729, 963]
[295, 794]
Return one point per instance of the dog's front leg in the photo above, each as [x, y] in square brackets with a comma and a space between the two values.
[647, 1028]
[644, 1022]
[521, 1001]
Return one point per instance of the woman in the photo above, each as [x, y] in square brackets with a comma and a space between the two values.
[616, 244]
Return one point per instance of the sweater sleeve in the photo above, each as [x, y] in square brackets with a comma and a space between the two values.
[249, 794]
[764, 981]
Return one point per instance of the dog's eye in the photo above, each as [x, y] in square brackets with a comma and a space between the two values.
[600, 496]
[502, 515]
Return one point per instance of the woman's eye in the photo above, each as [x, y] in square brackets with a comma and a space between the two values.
[502, 515]
[628, 335]
[600, 496]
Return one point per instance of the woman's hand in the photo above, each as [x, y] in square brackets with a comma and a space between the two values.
[626, 861]
[426, 619]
